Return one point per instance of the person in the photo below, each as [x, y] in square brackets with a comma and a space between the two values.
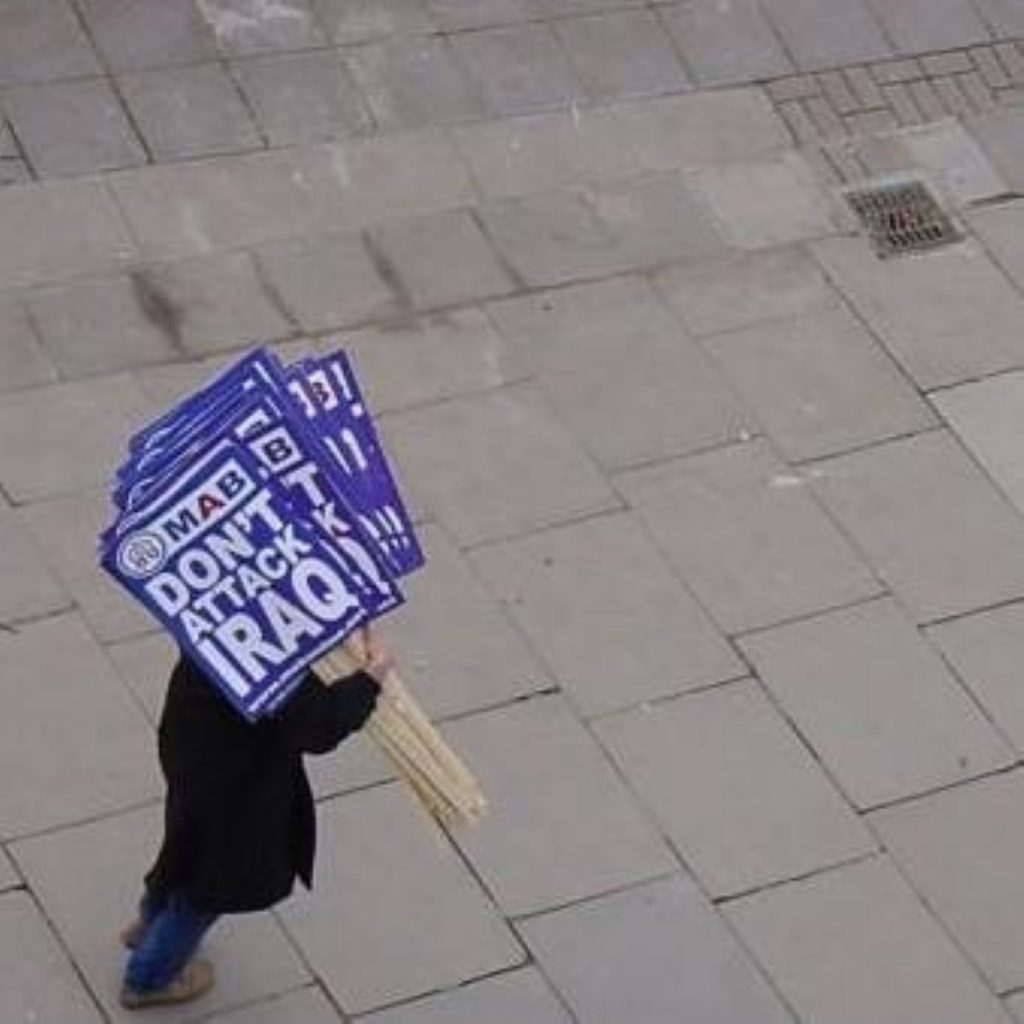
[239, 820]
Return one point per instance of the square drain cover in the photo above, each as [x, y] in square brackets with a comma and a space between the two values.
[901, 218]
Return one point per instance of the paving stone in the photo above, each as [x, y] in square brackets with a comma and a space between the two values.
[949, 154]
[767, 204]
[379, 869]
[254, 959]
[923, 308]
[856, 944]
[917, 26]
[165, 385]
[819, 383]
[702, 129]
[458, 652]
[65, 531]
[518, 995]
[1001, 235]
[552, 238]
[738, 827]
[187, 112]
[1015, 1006]
[308, 1005]
[1005, 17]
[878, 706]
[539, 152]
[442, 259]
[108, 766]
[8, 876]
[645, 638]
[986, 416]
[621, 372]
[518, 69]
[985, 652]
[641, 932]
[149, 33]
[40, 40]
[712, 515]
[300, 98]
[100, 325]
[827, 35]
[496, 465]
[254, 26]
[966, 554]
[144, 665]
[22, 360]
[744, 290]
[621, 54]
[70, 128]
[14, 172]
[40, 983]
[1001, 135]
[413, 82]
[218, 302]
[27, 588]
[892, 71]
[360, 21]
[327, 281]
[565, 827]
[725, 44]
[424, 360]
[75, 444]
[956, 850]
[457, 15]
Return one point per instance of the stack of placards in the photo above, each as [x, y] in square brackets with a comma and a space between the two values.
[259, 522]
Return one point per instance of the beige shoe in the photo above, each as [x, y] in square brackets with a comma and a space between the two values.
[196, 979]
[132, 935]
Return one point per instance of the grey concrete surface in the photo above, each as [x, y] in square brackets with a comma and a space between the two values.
[723, 514]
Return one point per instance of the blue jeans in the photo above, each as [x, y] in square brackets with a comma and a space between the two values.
[172, 934]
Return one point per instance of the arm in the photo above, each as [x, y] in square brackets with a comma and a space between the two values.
[318, 717]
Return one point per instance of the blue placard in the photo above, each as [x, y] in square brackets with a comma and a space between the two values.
[252, 591]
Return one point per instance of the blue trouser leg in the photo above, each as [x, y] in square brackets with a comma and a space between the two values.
[173, 932]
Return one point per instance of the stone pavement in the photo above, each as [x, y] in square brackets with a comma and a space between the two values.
[724, 515]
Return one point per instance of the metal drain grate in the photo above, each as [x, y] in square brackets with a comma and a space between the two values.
[902, 218]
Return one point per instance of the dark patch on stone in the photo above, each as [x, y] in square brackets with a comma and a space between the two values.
[158, 307]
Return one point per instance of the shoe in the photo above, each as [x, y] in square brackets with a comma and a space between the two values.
[132, 935]
[196, 979]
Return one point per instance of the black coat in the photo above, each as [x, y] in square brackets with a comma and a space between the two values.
[239, 819]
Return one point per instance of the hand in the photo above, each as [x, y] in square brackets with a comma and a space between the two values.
[380, 662]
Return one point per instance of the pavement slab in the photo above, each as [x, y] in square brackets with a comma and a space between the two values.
[819, 383]
[41, 41]
[360, 21]
[253, 957]
[827, 34]
[412, 82]
[875, 703]
[985, 651]
[917, 26]
[1000, 133]
[396, 915]
[40, 982]
[189, 112]
[735, 830]
[855, 945]
[519, 995]
[496, 465]
[1004, 17]
[308, 1005]
[23, 362]
[303, 97]
[73, 128]
[459, 652]
[9, 878]
[100, 770]
[987, 416]
[968, 553]
[924, 306]
[725, 44]
[442, 259]
[27, 588]
[243, 27]
[1002, 232]
[64, 531]
[621, 371]
[563, 826]
[641, 932]
[744, 290]
[646, 637]
[747, 537]
[622, 54]
[422, 360]
[144, 665]
[956, 849]
[82, 434]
